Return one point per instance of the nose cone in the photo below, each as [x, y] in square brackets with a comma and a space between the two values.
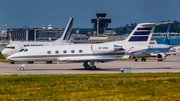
[8, 58]
[5, 53]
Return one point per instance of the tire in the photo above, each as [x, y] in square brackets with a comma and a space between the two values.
[48, 62]
[12, 62]
[93, 68]
[22, 68]
[87, 67]
[30, 62]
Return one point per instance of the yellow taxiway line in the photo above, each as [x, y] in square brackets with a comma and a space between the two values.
[6, 73]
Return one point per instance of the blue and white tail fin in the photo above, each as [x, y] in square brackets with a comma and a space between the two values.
[141, 35]
[167, 37]
[66, 36]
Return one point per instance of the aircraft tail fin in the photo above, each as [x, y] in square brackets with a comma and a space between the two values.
[67, 32]
[167, 37]
[142, 33]
[10, 38]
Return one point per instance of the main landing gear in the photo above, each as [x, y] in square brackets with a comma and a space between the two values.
[89, 67]
[142, 59]
[22, 66]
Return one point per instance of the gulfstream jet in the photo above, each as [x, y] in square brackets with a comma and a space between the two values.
[160, 51]
[15, 47]
[137, 41]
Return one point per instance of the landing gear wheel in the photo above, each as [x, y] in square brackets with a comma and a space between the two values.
[12, 62]
[48, 62]
[93, 68]
[30, 62]
[143, 59]
[87, 67]
[22, 68]
[136, 60]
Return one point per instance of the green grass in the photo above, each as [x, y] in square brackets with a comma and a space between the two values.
[2, 58]
[129, 87]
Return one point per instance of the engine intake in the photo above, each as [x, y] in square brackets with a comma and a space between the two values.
[160, 57]
[117, 48]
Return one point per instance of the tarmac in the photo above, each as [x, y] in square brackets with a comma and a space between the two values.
[171, 64]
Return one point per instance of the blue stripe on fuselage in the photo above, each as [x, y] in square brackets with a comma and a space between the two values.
[144, 28]
[138, 38]
[142, 33]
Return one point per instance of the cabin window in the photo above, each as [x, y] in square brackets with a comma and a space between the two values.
[64, 51]
[72, 51]
[80, 51]
[26, 50]
[57, 52]
[49, 52]
[10, 47]
[21, 50]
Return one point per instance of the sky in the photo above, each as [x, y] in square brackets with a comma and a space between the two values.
[41, 13]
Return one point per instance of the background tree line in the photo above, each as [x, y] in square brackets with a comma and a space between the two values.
[175, 27]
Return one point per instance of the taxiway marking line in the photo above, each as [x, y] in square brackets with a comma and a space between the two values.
[6, 73]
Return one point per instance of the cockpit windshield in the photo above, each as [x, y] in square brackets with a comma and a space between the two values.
[21, 50]
[26, 50]
[10, 47]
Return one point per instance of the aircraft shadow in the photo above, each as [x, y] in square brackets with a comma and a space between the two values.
[76, 69]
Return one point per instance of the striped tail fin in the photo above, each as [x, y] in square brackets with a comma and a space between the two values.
[67, 32]
[167, 37]
[141, 35]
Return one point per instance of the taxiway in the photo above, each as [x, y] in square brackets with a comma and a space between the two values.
[171, 64]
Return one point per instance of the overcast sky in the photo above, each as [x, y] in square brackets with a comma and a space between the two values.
[41, 13]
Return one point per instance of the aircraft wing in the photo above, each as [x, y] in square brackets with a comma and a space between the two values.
[169, 53]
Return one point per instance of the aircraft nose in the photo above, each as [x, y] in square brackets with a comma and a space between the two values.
[4, 52]
[8, 58]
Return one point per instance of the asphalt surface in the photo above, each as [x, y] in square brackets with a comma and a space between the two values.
[171, 64]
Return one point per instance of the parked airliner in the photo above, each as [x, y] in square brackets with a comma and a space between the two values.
[138, 40]
[160, 51]
[16, 46]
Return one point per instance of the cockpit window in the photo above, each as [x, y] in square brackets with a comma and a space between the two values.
[11, 47]
[21, 50]
[26, 50]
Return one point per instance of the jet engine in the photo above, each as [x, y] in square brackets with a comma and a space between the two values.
[160, 57]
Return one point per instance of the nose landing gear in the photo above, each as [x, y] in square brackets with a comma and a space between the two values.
[22, 66]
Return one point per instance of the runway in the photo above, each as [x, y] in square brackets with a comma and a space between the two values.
[171, 64]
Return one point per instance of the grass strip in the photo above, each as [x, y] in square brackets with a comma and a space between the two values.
[130, 86]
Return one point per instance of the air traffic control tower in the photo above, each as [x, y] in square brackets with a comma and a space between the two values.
[100, 23]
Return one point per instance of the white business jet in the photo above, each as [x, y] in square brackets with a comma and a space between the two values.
[89, 52]
[16, 46]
